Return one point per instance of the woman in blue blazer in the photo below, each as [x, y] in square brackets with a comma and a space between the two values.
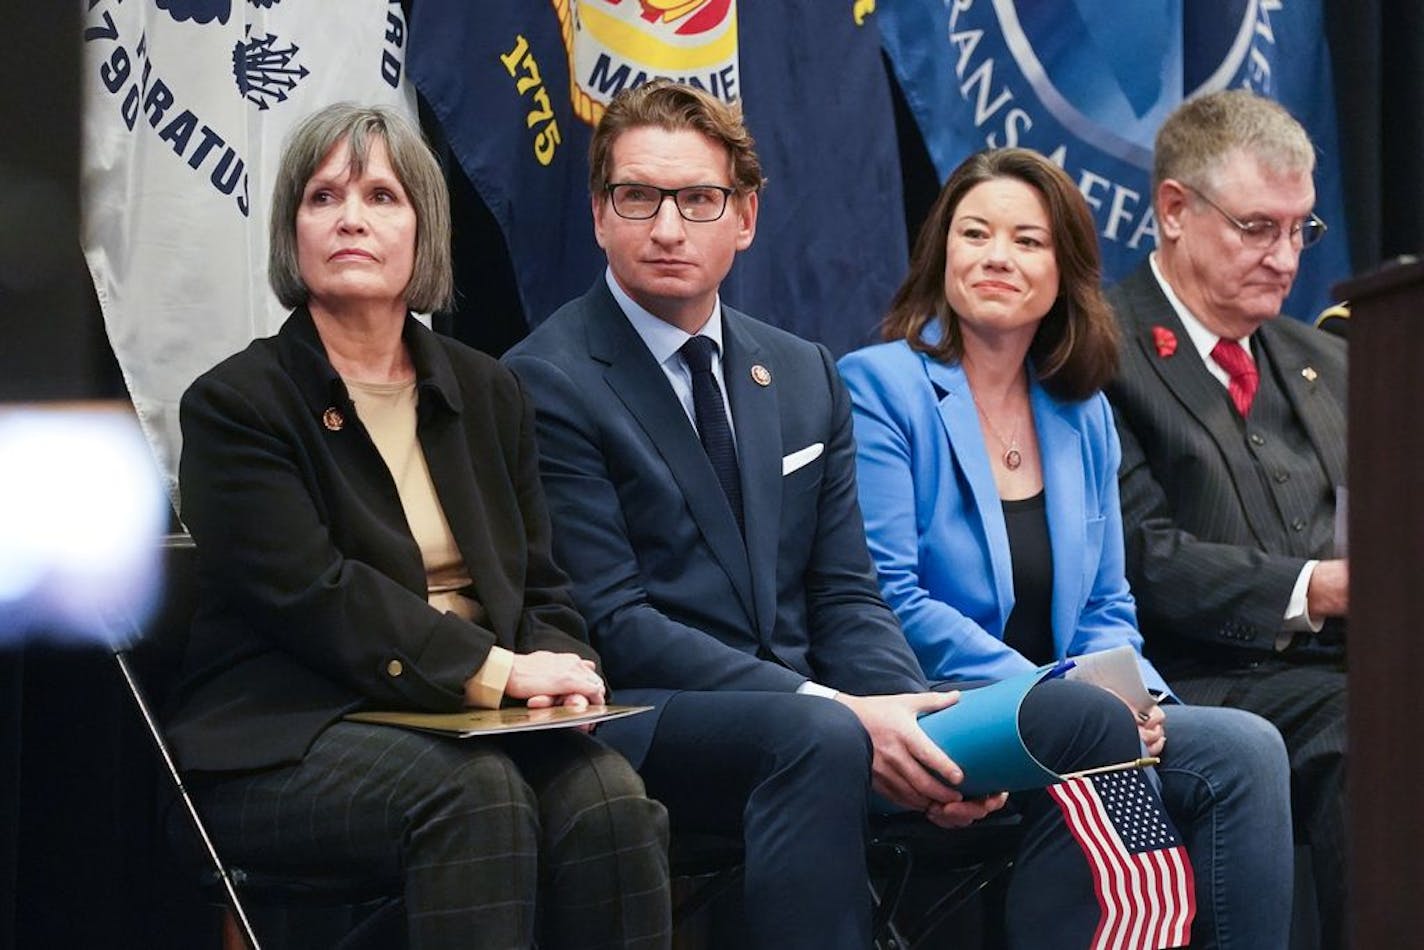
[987, 464]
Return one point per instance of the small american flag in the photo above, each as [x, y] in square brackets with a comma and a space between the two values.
[1141, 871]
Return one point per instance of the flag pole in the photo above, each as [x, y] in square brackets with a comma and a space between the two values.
[1142, 763]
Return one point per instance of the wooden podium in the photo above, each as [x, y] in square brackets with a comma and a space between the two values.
[1386, 638]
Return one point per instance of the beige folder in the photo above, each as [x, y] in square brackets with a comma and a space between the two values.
[484, 722]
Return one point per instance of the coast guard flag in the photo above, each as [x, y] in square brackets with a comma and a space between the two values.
[1088, 82]
[1141, 873]
[518, 85]
[187, 103]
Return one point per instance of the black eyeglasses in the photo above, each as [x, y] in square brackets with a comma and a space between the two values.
[638, 202]
[1261, 233]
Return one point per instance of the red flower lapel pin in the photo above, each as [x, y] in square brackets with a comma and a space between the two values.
[1165, 340]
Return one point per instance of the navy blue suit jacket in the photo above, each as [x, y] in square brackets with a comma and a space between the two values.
[674, 597]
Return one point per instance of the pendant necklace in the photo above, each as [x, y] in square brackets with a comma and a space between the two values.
[1011, 457]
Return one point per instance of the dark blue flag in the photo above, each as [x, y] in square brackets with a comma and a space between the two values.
[496, 74]
[830, 247]
[518, 84]
[1088, 82]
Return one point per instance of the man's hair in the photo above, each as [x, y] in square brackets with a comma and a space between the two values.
[1074, 350]
[1203, 133]
[673, 106]
[432, 281]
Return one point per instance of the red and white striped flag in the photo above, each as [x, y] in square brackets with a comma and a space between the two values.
[1141, 872]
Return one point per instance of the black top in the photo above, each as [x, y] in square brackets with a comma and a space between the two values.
[1030, 626]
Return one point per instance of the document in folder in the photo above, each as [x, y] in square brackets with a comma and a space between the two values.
[485, 722]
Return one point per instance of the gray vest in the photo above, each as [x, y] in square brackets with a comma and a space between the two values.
[1290, 471]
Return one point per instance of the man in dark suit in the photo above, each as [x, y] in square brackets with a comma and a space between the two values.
[718, 553]
[1233, 432]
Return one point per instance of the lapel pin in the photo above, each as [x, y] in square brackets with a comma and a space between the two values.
[761, 375]
[1309, 373]
[333, 419]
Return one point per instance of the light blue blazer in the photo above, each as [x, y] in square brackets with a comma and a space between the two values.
[935, 522]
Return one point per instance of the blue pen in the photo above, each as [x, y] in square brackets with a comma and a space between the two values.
[1060, 668]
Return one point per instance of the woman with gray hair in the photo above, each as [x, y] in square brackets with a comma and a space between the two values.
[371, 533]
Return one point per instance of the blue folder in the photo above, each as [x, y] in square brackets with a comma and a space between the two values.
[981, 734]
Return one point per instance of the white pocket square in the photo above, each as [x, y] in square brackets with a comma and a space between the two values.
[801, 458]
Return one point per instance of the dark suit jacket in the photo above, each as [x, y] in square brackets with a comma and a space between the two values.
[1210, 591]
[674, 598]
[313, 593]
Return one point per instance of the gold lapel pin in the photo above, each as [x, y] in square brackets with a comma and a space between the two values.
[333, 419]
[761, 375]
[1309, 373]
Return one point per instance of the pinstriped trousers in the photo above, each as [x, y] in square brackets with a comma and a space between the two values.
[539, 838]
[1306, 701]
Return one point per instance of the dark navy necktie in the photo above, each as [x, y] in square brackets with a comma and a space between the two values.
[712, 425]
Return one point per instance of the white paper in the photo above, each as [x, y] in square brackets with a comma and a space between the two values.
[1116, 670]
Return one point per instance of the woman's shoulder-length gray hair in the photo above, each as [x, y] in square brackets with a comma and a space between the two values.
[432, 281]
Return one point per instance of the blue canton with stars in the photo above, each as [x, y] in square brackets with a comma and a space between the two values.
[1134, 811]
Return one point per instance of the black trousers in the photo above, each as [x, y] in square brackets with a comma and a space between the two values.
[791, 775]
[498, 842]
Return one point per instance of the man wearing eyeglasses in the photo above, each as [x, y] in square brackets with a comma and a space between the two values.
[1232, 421]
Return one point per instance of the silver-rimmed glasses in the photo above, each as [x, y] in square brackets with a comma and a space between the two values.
[1261, 233]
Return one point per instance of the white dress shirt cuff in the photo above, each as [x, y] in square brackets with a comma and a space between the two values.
[810, 688]
[1298, 616]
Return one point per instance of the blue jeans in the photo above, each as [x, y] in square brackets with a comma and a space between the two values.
[1226, 784]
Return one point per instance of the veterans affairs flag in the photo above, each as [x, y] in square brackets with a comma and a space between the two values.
[1141, 873]
[1088, 83]
[187, 103]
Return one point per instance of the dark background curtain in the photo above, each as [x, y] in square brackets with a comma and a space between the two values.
[81, 862]
[1378, 52]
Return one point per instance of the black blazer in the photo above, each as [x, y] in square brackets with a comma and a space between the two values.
[675, 597]
[1209, 587]
[312, 590]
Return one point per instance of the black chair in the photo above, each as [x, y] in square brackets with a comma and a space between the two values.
[966, 863]
[370, 911]
[706, 866]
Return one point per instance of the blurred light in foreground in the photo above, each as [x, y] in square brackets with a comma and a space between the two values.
[81, 512]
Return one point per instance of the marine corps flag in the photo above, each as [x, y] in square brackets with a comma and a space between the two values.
[518, 85]
[187, 103]
[1088, 82]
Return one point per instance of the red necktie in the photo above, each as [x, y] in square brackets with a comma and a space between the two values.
[1232, 357]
